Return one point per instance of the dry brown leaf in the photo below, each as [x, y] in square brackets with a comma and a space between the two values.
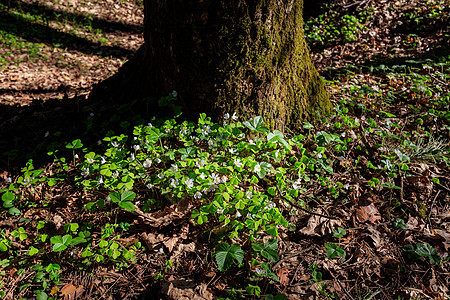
[320, 226]
[368, 213]
[58, 220]
[71, 292]
[283, 276]
[170, 243]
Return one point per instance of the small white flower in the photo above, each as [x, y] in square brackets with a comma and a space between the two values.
[343, 134]
[183, 131]
[99, 142]
[100, 180]
[115, 144]
[251, 142]
[220, 210]
[210, 143]
[158, 160]
[226, 116]
[257, 168]
[173, 182]
[200, 162]
[174, 94]
[102, 160]
[234, 117]
[297, 184]
[189, 183]
[215, 177]
[270, 205]
[224, 178]
[421, 88]
[132, 157]
[161, 175]
[174, 168]
[160, 251]
[363, 118]
[9, 179]
[238, 162]
[203, 176]
[319, 155]
[382, 149]
[150, 186]
[91, 114]
[197, 195]
[149, 125]
[167, 130]
[147, 163]
[249, 195]
[238, 214]
[76, 156]
[85, 172]
[232, 151]
[115, 174]
[357, 120]
[107, 199]
[90, 160]
[346, 186]
[277, 153]
[259, 271]
[46, 134]
[136, 147]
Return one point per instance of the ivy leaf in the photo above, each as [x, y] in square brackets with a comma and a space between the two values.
[225, 254]
[115, 197]
[334, 250]
[127, 196]
[128, 205]
[425, 250]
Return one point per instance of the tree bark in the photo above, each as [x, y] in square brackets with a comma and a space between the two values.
[243, 56]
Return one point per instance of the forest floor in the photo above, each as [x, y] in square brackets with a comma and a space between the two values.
[387, 67]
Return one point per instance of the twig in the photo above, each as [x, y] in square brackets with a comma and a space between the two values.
[304, 209]
[431, 207]
[358, 3]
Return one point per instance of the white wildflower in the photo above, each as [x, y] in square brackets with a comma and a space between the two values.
[197, 195]
[115, 144]
[226, 116]
[203, 176]
[297, 184]
[100, 180]
[234, 117]
[115, 174]
[210, 143]
[91, 114]
[46, 134]
[160, 251]
[257, 168]
[102, 160]
[238, 214]
[189, 183]
[232, 151]
[132, 157]
[161, 175]
[220, 210]
[174, 94]
[150, 186]
[76, 156]
[85, 172]
[251, 142]
[174, 168]
[173, 182]
[90, 160]
[149, 125]
[136, 147]
[158, 160]
[363, 118]
[147, 163]
[238, 162]
[357, 120]
[249, 195]
[200, 163]
[343, 134]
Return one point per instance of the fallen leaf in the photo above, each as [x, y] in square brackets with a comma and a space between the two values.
[317, 226]
[283, 276]
[71, 292]
[368, 213]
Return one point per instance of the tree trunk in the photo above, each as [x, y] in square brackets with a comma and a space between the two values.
[243, 56]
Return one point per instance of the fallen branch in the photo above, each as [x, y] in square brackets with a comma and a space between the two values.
[304, 209]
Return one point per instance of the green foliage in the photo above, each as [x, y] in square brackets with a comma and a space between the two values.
[422, 250]
[226, 254]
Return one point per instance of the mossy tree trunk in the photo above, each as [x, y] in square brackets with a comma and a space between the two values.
[243, 56]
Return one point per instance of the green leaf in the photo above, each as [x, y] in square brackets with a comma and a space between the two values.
[14, 211]
[115, 197]
[425, 250]
[3, 247]
[59, 247]
[270, 255]
[334, 250]
[127, 196]
[400, 223]
[225, 254]
[41, 295]
[8, 196]
[75, 144]
[32, 251]
[127, 205]
[340, 232]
